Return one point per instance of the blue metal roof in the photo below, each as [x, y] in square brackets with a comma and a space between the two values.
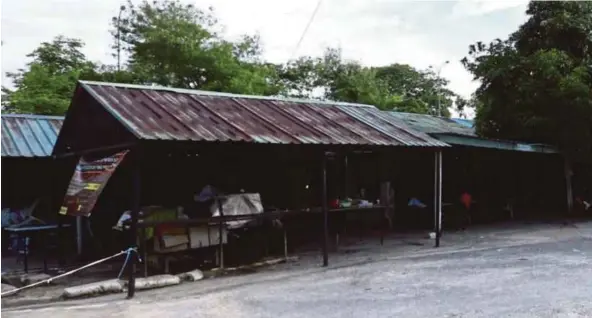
[468, 123]
[436, 125]
[461, 132]
[29, 135]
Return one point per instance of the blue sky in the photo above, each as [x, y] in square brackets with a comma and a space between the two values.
[373, 32]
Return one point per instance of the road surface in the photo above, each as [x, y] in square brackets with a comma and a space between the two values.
[548, 279]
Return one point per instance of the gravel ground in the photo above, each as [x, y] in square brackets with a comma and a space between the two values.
[511, 273]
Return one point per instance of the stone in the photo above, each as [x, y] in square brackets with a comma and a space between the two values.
[28, 279]
[104, 287]
[156, 281]
[192, 276]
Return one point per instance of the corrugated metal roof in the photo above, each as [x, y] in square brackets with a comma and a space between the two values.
[458, 131]
[29, 135]
[159, 113]
[468, 123]
[435, 125]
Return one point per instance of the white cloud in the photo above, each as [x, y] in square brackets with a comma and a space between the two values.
[374, 32]
[481, 7]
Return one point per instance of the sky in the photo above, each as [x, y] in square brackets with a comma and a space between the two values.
[372, 32]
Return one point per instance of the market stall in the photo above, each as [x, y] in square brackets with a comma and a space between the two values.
[233, 142]
[34, 182]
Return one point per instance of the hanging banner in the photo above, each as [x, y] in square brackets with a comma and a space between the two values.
[88, 182]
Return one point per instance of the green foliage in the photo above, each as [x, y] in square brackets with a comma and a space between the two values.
[394, 87]
[178, 45]
[174, 44]
[536, 84]
[422, 91]
[45, 86]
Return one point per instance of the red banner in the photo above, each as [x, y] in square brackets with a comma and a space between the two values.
[87, 183]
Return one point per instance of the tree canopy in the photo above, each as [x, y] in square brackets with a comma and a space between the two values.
[45, 86]
[394, 87]
[173, 44]
[535, 85]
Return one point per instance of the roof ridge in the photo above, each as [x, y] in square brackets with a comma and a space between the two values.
[230, 95]
[32, 116]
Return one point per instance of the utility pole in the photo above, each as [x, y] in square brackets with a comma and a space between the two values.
[439, 91]
[121, 9]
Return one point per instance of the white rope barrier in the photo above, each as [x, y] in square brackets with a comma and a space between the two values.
[49, 280]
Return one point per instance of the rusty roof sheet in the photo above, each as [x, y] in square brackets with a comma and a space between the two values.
[160, 113]
[29, 135]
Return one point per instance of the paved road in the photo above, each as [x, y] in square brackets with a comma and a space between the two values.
[550, 279]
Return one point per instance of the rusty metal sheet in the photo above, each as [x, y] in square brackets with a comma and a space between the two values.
[308, 116]
[176, 114]
[269, 112]
[29, 135]
[392, 127]
[365, 133]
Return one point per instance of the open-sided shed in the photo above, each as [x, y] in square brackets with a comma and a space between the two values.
[30, 173]
[34, 182]
[228, 134]
[504, 176]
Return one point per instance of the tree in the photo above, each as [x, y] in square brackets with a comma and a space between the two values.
[354, 83]
[422, 91]
[45, 86]
[536, 84]
[462, 104]
[394, 87]
[173, 44]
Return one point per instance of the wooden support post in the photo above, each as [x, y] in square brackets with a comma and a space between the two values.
[133, 232]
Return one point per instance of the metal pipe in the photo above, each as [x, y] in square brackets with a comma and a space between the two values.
[346, 181]
[94, 150]
[79, 235]
[143, 251]
[285, 243]
[435, 228]
[568, 185]
[136, 192]
[220, 232]
[439, 233]
[61, 261]
[437, 197]
[325, 215]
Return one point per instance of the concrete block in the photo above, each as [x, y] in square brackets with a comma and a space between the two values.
[8, 302]
[192, 276]
[11, 279]
[104, 287]
[156, 281]
[8, 288]
[28, 279]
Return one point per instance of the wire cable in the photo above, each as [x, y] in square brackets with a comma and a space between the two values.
[314, 13]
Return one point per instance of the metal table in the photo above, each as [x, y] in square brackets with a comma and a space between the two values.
[25, 232]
